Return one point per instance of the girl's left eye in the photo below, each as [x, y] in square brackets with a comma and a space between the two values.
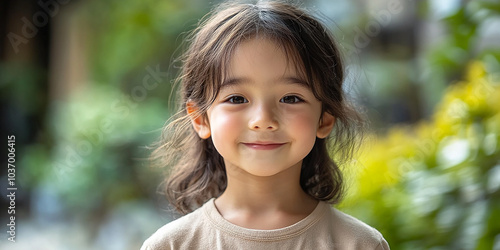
[237, 99]
[291, 99]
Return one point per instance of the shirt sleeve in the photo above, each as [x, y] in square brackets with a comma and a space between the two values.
[383, 245]
[145, 246]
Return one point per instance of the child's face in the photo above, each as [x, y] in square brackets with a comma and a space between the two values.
[265, 119]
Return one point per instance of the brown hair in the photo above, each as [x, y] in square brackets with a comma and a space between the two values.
[197, 170]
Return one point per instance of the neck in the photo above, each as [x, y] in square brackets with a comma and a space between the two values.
[250, 201]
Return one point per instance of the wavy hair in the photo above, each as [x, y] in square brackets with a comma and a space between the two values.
[196, 170]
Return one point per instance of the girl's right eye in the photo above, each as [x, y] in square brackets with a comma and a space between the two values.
[237, 99]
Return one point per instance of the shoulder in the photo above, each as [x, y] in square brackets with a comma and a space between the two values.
[353, 232]
[176, 232]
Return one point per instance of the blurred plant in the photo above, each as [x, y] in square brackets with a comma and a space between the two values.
[129, 34]
[96, 159]
[437, 184]
[89, 159]
[91, 151]
[469, 34]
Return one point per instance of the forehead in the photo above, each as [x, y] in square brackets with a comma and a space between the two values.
[263, 58]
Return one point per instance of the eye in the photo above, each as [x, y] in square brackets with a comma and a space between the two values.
[291, 99]
[237, 99]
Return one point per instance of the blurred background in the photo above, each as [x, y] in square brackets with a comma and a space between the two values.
[85, 88]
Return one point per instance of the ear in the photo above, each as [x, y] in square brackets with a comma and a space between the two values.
[199, 121]
[325, 125]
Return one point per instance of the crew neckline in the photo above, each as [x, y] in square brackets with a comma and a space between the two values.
[216, 219]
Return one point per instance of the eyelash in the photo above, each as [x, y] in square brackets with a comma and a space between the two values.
[231, 99]
[295, 98]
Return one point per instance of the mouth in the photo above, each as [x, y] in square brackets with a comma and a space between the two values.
[264, 145]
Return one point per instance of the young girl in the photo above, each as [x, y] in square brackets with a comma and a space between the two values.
[261, 89]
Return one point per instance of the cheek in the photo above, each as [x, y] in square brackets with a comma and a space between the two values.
[224, 127]
[305, 119]
[304, 125]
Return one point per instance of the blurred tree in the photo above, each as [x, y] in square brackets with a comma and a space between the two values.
[437, 184]
[93, 154]
[469, 30]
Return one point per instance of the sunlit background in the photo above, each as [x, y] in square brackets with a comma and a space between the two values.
[85, 88]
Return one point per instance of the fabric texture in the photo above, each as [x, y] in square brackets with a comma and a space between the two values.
[325, 228]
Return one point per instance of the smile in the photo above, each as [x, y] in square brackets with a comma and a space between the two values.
[263, 146]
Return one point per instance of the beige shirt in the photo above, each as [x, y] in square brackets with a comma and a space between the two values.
[325, 228]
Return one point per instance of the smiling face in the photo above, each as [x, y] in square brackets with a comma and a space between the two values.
[265, 119]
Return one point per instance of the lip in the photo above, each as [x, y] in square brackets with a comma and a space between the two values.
[264, 145]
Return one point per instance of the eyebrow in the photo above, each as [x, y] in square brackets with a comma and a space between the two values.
[232, 81]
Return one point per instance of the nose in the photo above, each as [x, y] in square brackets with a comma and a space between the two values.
[263, 118]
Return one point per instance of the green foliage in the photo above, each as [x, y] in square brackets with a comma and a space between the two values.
[129, 34]
[92, 151]
[98, 150]
[19, 82]
[437, 184]
[462, 40]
